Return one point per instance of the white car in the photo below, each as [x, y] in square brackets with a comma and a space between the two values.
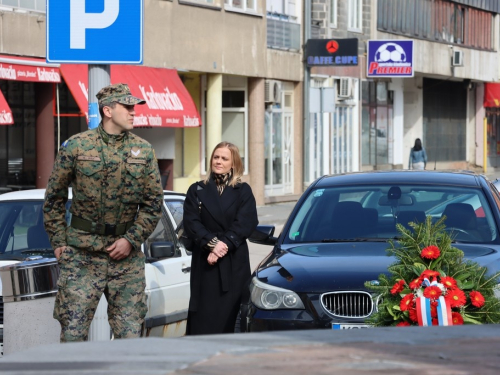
[22, 238]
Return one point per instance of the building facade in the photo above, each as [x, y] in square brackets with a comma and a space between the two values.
[455, 54]
[240, 63]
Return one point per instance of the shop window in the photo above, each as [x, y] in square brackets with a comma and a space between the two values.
[234, 120]
[17, 141]
[376, 123]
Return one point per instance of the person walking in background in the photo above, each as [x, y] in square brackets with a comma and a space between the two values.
[116, 204]
[418, 157]
[220, 213]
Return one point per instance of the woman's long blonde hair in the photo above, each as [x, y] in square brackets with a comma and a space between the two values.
[237, 168]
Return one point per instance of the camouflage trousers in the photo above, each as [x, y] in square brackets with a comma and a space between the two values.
[84, 277]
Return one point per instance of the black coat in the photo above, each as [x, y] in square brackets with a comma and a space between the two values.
[216, 289]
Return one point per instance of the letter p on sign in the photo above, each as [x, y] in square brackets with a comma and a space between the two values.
[81, 21]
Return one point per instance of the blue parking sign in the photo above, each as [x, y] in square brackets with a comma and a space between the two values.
[95, 31]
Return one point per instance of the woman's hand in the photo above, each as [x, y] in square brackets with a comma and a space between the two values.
[220, 249]
[212, 259]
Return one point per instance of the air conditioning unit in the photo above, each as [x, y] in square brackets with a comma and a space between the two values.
[457, 59]
[345, 88]
[273, 91]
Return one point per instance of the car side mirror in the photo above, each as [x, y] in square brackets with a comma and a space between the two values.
[263, 235]
[160, 250]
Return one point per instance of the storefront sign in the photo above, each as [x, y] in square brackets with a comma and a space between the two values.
[29, 73]
[332, 52]
[390, 58]
[6, 117]
[168, 103]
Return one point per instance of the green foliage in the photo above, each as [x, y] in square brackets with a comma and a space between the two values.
[470, 276]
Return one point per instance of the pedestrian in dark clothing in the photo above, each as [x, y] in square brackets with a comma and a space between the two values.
[219, 215]
[418, 157]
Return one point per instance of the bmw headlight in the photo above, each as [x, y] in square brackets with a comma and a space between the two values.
[268, 297]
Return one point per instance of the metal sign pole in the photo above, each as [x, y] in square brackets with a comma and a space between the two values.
[99, 77]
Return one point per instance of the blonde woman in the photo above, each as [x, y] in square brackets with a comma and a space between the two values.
[219, 215]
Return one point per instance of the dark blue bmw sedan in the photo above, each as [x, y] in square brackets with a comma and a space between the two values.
[336, 237]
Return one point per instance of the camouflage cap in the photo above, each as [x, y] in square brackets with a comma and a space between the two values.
[119, 93]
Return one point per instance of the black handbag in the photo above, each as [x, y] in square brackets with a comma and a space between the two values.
[188, 242]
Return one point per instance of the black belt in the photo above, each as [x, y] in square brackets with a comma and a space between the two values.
[99, 228]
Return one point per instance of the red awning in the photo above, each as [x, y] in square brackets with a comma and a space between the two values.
[28, 69]
[76, 77]
[168, 103]
[491, 95]
[6, 117]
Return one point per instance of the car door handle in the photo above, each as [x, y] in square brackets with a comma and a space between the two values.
[186, 269]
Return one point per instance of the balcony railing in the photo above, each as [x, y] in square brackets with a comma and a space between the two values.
[28, 5]
[283, 34]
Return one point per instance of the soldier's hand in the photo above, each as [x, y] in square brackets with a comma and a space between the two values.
[59, 251]
[120, 249]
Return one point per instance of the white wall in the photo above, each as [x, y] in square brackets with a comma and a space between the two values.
[413, 115]
[398, 153]
[480, 113]
[162, 140]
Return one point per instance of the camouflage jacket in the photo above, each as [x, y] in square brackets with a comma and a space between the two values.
[112, 182]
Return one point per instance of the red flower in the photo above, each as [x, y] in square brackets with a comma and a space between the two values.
[406, 302]
[415, 284]
[412, 313]
[430, 252]
[435, 322]
[428, 274]
[398, 287]
[455, 297]
[432, 292]
[476, 299]
[457, 319]
[449, 282]
[403, 324]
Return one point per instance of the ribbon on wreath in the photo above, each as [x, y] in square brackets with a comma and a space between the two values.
[444, 313]
[424, 312]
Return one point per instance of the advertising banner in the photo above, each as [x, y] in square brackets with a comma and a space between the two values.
[390, 58]
[332, 52]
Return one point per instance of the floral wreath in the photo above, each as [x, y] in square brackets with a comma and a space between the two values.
[431, 283]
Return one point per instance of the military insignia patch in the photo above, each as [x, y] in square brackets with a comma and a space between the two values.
[135, 151]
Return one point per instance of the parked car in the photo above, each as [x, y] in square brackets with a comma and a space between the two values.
[496, 183]
[336, 237]
[168, 264]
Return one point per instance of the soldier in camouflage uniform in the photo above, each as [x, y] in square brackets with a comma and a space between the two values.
[117, 199]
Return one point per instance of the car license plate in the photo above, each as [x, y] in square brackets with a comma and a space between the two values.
[349, 326]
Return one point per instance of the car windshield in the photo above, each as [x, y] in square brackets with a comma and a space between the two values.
[370, 213]
[22, 233]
